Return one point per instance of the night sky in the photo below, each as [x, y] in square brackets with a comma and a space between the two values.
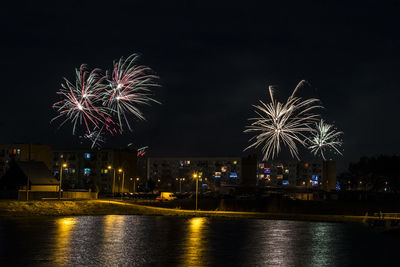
[215, 60]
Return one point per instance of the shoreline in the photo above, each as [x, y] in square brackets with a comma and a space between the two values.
[11, 208]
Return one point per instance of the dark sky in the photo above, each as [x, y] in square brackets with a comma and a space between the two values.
[215, 60]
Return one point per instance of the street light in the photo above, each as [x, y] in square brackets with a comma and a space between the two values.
[196, 176]
[113, 184]
[122, 184]
[134, 184]
[64, 165]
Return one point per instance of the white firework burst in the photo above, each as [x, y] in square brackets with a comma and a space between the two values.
[80, 103]
[130, 86]
[284, 124]
[324, 137]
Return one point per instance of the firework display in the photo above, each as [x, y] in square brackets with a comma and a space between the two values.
[129, 87]
[97, 103]
[324, 137]
[282, 124]
[80, 103]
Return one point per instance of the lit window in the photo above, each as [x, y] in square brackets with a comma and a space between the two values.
[233, 175]
[267, 170]
[86, 171]
[87, 155]
[314, 180]
[338, 187]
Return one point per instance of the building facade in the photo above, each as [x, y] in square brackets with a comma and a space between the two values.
[177, 174]
[23, 153]
[105, 171]
[303, 174]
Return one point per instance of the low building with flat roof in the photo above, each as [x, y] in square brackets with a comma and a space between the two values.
[22, 153]
[27, 178]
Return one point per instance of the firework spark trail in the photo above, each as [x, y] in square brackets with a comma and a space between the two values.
[284, 124]
[130, 86]
[96, 137]
[100, 104]
[324, 137]
[80, 103]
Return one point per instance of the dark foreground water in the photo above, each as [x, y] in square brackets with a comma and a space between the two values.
[116, 240]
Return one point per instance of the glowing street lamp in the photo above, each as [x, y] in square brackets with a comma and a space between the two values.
[113, 184]
[64, 165]
[134, 184]
[123, 177]
[196, 176]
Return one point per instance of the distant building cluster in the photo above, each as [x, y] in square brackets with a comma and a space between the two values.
[171, 173]
[306, 174]
[125, 170]
[105, 170]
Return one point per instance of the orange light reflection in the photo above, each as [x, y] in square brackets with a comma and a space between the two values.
[195, 242]
[63, 238]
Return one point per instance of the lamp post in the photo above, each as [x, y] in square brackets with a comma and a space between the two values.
[196, 176]
[64, 165]
[122, 184]
[113, 184]
[134, 184]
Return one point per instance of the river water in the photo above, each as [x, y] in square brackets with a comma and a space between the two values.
[130, 240]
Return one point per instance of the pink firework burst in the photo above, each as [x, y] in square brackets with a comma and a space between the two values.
[129, 87]
[80, 102]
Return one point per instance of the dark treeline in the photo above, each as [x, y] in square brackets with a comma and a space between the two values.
[378, 174]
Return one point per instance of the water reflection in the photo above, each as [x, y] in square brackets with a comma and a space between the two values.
[195, 242]
[276, 240]
[113, 239]
[64, 227]
[170, 241]
[108, 240]
[323, 249]
[291, 243]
